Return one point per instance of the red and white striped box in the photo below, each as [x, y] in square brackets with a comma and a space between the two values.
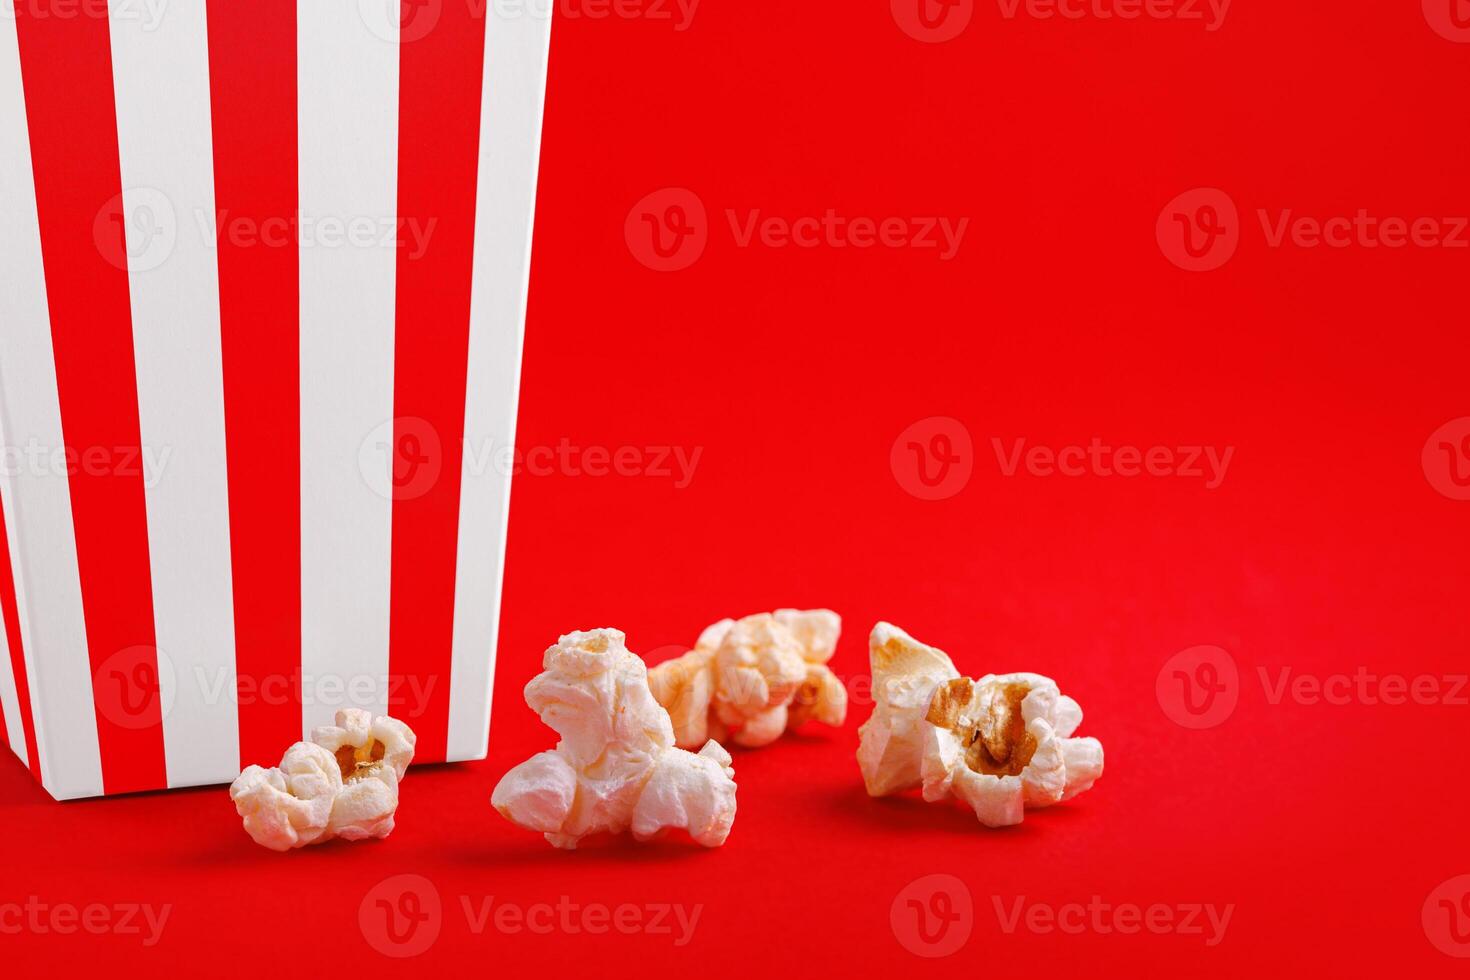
[265, 270]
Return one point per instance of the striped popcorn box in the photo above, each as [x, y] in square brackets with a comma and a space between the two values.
[265, 270]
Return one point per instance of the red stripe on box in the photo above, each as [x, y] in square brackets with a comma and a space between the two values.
[10, 614]
[67, 67]
[252, 71]
[438, 153]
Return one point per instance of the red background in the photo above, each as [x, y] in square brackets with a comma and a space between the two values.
[1325, 548]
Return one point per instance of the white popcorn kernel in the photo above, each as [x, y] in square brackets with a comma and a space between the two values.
[752, 680]
[685, 687]
[906, 674]
[696, 792]
[342, 783]
[1084, 761]
[289, 806]
[538, 794]
[616, 767]
[1000, 744]
[366, 806]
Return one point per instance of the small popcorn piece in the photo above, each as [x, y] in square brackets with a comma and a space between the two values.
[289, 806]
[373, 754]
[616, 767]
[342, 783]
[752, 680]
[1000, 744]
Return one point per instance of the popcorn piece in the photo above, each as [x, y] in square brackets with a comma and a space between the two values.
[342, 783]
[616, 767]
[289, 806]
[373, 754]
[1000, 743]
[754, 679]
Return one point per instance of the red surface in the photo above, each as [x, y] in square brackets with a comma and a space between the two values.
[1325, 549]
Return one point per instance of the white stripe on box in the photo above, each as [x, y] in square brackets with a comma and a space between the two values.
[48, 587]
[347, 80]
[9, 698]
[165, 148]
[513, 93]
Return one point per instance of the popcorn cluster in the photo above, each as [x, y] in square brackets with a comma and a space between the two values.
[1000, 743]
[751, 680]
[616, 767]
[341, 783]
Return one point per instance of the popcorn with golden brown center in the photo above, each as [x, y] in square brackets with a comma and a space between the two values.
[1000, 744]
[616, 767]
[342, 783]
[751, 680]
[373, 754]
